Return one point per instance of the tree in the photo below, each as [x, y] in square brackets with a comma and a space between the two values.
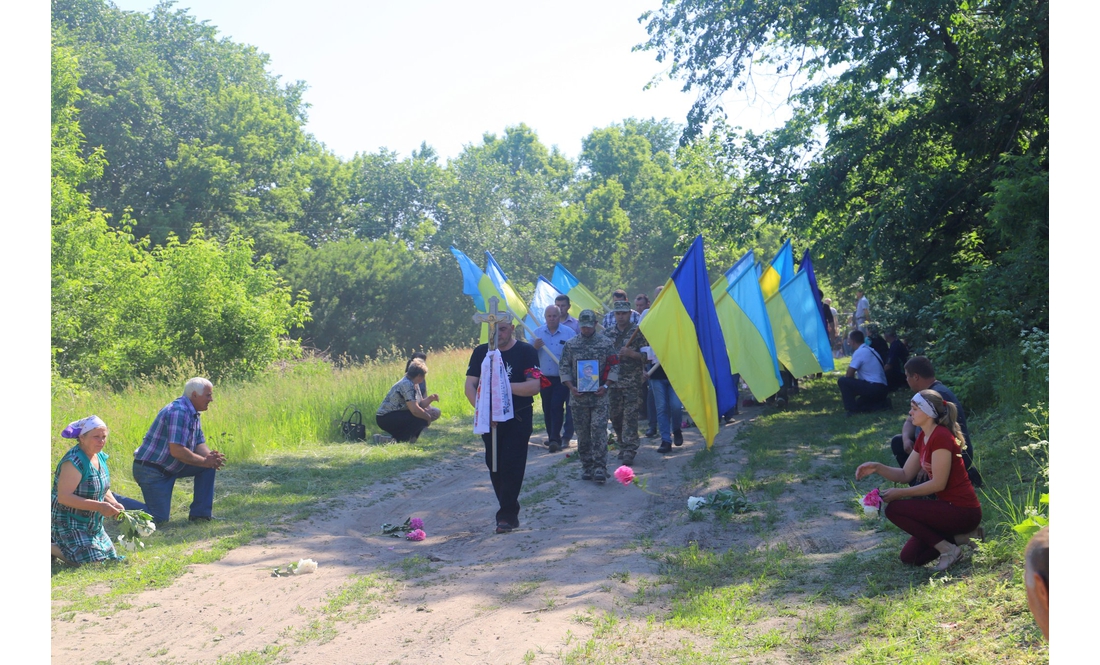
[904, 116]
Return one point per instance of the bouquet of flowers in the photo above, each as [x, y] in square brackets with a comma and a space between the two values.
[412, 529]
[872, 502]
[722, 501]
[302, 567]
[136, 524]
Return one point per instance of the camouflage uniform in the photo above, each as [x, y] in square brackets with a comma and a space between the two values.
[627, 392]
[589, 409]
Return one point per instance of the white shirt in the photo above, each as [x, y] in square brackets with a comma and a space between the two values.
[861, 310]
[867, 365]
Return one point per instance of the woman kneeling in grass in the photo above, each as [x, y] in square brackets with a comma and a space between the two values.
[82, 497]
[404, 413]
[938, 528]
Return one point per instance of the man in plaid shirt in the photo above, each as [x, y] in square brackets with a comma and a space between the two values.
[175, 447]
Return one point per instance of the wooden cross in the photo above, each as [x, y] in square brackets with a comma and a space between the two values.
[492, 317]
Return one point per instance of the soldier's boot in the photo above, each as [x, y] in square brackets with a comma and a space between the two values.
[600, 475]
[627, 456]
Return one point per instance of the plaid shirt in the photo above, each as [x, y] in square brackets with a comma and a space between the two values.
[176, 423]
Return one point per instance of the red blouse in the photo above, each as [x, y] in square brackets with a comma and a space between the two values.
[958, 492]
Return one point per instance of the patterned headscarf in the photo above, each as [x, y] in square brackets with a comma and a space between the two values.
[83, 425]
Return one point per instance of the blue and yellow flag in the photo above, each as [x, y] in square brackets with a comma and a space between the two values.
[747, 328]
[799, 336]
[545, 293]
[683, 329]
[807, 264]
[779, 272]
[477, 285]
[512, 302]
[579, 296]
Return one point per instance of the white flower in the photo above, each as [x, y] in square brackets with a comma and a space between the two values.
[696, 502]
[305, 566]
[145, 529]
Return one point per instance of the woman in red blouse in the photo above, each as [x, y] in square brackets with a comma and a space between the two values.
[938, 528]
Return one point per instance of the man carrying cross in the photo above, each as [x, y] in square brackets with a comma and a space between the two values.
[510, 428]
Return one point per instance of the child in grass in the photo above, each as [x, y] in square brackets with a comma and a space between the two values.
[938, 528]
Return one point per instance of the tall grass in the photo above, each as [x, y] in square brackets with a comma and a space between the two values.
[297, 405]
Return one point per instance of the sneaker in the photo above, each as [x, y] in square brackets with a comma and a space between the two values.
[600, 476]
[678, 438]
[665, 447]
[586, 474]
[555, 446]
[383, 438]
[504, 527]
[651, 434]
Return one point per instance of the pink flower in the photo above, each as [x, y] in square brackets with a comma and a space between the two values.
[416, 534]
[416, 523]
[872, 499]
[624, 474]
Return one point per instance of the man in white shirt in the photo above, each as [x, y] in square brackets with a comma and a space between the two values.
[863, 312]
[552, 338]
[867, 392]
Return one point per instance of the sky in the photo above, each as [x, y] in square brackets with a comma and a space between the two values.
[395, 74]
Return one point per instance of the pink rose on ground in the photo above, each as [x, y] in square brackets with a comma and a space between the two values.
[872, 499]
[624, 474]
[416, 523]
[416, 534]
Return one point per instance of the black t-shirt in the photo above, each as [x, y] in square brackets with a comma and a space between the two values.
[517, 360]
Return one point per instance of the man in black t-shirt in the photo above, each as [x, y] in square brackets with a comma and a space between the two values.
[521, 362]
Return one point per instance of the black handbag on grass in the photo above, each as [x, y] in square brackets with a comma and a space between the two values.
[352, 426]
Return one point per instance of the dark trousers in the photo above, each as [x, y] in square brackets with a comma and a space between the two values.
[554, 401]
[401, 425]
[859, 395]
[651, 407]
[929, 522]
[512, 438]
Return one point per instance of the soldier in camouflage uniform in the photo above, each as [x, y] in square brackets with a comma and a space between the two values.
[589, 408]
[626, 394]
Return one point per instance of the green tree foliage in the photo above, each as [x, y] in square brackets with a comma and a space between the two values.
[916, 128]
[119, 310]
[194, 129]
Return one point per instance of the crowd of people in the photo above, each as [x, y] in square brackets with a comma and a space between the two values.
[587, 374]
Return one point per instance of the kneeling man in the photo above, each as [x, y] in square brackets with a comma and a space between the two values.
[867, 392]
[175, 447]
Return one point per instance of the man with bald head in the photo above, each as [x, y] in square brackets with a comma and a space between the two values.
[549, 340]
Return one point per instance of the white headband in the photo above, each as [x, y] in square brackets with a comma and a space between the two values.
[925, 406]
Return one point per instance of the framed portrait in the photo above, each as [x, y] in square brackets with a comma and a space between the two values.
[588, 376]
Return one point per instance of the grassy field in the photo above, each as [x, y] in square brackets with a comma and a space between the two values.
[771, 604]
[288, 460]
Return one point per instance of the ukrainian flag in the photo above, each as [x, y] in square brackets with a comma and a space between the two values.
[512, 300]
[683, 329]
[779, 272]
[747, 328]
[579, 296]
[824, 348]
[545, 293]
[797, 327]
[477, 285]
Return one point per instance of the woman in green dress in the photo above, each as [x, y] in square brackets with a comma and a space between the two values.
[82, 497]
